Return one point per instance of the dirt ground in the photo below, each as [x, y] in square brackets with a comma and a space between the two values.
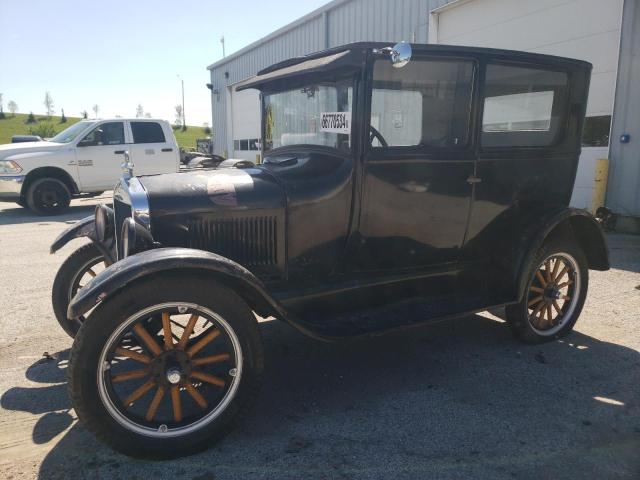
[460, 399]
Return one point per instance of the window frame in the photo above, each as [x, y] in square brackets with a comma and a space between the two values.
[565, 101]
[463, 150]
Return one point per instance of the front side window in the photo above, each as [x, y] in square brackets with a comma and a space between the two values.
[316, 114]
[427, 103]
[111, 133]
[69, 134]
[522, 106]
[147, 132]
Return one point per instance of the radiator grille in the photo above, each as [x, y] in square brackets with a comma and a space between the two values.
[248, 241]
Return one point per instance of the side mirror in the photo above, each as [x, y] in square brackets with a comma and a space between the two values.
[401, 54]
[86, 143]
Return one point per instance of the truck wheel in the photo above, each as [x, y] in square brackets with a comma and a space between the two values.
[81, 266]
[558, 279]
[165, 392]
[48, 196]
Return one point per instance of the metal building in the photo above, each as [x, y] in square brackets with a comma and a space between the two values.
[604, 32]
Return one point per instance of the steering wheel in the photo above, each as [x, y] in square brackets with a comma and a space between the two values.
[377, 135]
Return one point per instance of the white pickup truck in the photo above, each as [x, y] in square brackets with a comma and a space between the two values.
[84, 159]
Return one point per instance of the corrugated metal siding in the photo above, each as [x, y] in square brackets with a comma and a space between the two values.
[349, 21]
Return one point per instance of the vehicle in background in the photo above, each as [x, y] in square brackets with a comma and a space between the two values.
[26, 138]
[84, 158]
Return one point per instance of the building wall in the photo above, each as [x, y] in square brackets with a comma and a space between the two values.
[623, 193]
[337, 23]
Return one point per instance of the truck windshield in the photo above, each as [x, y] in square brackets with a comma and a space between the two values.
[317, 114]
[69, 134]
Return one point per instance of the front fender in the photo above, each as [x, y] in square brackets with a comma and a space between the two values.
[135, 267]
[83, 228]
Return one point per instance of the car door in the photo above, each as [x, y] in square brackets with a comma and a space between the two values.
[99, 156]
[416, 186]
[151, 152]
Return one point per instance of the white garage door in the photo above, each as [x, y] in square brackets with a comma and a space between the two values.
[245, 112]
[583, 29]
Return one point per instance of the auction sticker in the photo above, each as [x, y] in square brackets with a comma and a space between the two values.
[335, 122]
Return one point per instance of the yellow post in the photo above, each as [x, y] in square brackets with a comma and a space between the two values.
[225, 154]
[257, 158]
[600, 184]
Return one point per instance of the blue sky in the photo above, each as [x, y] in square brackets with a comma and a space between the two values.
[120, 53]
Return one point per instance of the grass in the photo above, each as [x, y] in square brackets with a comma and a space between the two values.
[17, 126]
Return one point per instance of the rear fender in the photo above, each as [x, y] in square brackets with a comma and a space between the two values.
[578, 225]
[165, 260]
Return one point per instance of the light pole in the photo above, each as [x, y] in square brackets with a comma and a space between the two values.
[222, 42]
[184, 121]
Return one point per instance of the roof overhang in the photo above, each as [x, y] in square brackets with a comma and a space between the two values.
[310, 66]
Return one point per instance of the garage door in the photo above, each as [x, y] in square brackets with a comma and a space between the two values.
[246, 124]
[583, 29]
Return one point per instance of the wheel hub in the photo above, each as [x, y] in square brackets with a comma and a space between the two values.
[170, 367]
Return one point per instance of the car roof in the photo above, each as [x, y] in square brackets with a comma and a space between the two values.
[437, 48]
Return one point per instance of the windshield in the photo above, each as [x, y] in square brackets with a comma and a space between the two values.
[317, 114]
[69, 134]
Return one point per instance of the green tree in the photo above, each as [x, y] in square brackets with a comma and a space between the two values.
[31, 118]
[63, 119]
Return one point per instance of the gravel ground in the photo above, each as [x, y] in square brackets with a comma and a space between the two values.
[460, 399]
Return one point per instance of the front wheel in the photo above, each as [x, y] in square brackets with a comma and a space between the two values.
[81, 266]
[166, 366]
[557, 282]
[48, 196]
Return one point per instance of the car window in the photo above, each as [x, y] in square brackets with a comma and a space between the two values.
[147, 132]
[522, 106]
[427, 103]
[111, 133]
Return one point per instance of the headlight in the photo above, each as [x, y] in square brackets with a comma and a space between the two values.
[104, 222]
[9, 166]
[128, 236]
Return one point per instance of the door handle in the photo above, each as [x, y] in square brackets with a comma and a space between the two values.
[119, 152]
[473, 179]
[167, 149]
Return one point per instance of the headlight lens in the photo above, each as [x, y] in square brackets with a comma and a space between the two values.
[104, 222]
[9, 166]
[128, 236]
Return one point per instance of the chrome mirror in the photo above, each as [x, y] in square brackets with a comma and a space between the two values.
[400, 54]
[127, 166]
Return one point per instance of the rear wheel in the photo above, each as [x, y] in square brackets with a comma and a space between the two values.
[558, 279]
[168, 391]
[76, 271]
[48, 196]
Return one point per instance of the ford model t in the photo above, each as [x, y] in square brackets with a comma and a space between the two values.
[398, 186]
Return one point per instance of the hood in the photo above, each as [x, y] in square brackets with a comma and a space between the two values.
[207, 191]
[29, 147]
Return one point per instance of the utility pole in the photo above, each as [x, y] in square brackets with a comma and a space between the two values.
[222, 42]
[184, 121]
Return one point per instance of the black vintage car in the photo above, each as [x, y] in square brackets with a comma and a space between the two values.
[398, 186]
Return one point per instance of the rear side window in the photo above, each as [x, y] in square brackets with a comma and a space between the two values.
[523, 107]
[147, 132]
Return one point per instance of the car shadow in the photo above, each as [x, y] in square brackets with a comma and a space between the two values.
[459, 399]
[13, 214]
[624, 251]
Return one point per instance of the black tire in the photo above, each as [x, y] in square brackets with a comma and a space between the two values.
[95, 334]
[522, 321]
[22, 202]
[48, 196]
[67, 281]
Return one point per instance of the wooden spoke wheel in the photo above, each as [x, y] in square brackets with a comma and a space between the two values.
[553, 293]
[556, 283]
[75, 272]
[169, 369]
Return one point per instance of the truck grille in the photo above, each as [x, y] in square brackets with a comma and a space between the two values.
[250, 241]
